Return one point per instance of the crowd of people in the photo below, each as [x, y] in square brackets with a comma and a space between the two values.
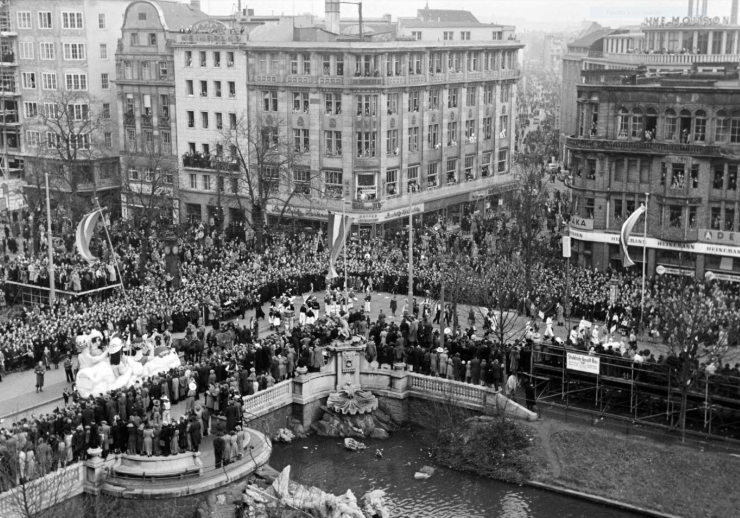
[225, 276]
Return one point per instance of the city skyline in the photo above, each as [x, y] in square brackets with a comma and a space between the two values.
[526, 14]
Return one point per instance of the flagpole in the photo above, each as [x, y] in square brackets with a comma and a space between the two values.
[112, 251]
[344, 251]
[644, 256]
[50, 244]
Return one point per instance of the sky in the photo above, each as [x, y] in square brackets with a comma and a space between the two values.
[524, 13]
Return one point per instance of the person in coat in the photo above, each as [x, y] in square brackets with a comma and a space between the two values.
[195, 433]
[40, 371]
[219, 445]
[496, 375]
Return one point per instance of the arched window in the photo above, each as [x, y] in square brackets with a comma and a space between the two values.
[636, 123]
[671, 125]
[651, 123]
[700, 126]
[623, 123]
[735, 128]
[685, 126]
[721, 126]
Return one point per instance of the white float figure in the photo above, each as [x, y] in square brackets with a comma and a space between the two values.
[97, 376]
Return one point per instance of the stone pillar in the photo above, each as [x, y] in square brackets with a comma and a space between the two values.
[94, 469]
[347, 363]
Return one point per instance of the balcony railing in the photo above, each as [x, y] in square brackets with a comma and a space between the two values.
[164, 120]
[8, 57]
[367, 205]
[669, 59]
[200, 161]
[389, 80]
[146, 120]
[658, 148]
[129, 119]
[194, 38]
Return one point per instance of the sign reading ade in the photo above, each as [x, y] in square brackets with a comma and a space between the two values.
[677, 21]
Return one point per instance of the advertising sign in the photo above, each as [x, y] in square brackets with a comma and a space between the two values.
[583, 363]
[581, 223]
[566, 246]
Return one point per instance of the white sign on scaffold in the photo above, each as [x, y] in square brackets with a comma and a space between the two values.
[583, 363]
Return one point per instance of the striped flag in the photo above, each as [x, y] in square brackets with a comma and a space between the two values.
[84, 233]
[624, 235]
[339, 227]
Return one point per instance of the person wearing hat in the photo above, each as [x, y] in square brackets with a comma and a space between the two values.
[166, 418]
[219, 445]
[40, 371]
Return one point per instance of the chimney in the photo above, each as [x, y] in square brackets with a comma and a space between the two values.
[195, 4]
[733, 13]
[331, 21]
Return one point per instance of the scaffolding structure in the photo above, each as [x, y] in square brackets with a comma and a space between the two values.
[34, 295]
[645, 392]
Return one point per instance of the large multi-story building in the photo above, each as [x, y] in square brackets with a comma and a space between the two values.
[145, 80]
[390, 123]
[553, 48]
[659, 45]
[676, 137]
[58, 57]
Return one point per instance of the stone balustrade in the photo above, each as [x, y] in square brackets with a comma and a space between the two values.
[456, 391]
[264, 401]
[35, 496]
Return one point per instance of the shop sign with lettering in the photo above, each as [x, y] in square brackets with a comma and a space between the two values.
[719, 236]
[678, 21]
[581, 223]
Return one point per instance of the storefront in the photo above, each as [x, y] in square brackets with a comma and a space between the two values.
[594, 249]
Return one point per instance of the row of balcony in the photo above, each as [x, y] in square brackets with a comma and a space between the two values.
[147, 121]
[664, 59]
[210, 162]
[651, 147]
[504, 182]
[400, 80]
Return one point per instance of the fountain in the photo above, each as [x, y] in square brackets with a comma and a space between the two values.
[351, 400]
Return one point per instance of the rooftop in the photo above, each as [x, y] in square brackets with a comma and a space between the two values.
[592, 37]
[447, 16]
[175, 15]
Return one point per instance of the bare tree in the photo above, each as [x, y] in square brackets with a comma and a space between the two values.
[701, 322]
[31, 488]
[528, 208]
[267, 168]
[70, 139]
[147, 183]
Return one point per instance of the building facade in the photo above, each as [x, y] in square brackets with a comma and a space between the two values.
[389, 126]
[60, 54]
[145, 79]
[675, 138]
[210, 66]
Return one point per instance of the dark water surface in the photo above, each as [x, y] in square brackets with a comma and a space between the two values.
[325, 463]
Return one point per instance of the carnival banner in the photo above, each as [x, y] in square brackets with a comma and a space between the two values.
[85, 231]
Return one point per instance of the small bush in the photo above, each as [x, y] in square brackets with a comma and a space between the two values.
[497, 449]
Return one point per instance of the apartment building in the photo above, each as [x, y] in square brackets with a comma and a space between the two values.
[58, 76]
[675, 137]
[148, 128]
